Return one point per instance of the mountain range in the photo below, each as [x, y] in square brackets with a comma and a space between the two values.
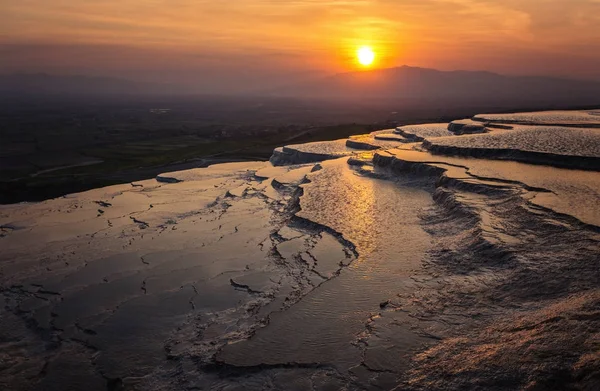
[400, 84]
[430, 85]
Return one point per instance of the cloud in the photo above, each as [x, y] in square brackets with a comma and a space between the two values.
[320, 33]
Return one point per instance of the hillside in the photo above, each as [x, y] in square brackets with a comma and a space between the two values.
[412, 84]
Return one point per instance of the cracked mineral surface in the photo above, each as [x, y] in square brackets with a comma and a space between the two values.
[416, 258]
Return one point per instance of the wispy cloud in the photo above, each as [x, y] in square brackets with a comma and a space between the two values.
[322, 33]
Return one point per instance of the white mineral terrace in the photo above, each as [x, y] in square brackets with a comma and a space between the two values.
[438, 256]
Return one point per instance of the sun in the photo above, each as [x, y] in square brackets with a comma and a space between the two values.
[365, 55]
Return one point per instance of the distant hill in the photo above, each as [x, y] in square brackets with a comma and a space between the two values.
[433, 86]
[406, 86]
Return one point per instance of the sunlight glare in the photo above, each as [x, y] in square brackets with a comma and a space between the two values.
[366, 56]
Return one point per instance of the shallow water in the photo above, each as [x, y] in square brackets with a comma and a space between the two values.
[370, 270]
[589, 118]
[570, 192]
[555, 140]
[381, 219]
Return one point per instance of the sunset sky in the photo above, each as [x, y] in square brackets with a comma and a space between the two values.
[176, 40]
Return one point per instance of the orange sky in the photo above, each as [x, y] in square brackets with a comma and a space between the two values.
[559, 37]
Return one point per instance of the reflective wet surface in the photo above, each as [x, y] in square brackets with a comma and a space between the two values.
[369, 263]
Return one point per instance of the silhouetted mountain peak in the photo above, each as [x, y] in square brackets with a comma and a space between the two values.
[435, 86]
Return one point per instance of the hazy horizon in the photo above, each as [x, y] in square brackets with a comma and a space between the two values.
[264, 43]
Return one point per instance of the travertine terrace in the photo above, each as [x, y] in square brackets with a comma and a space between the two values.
[428, 257]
